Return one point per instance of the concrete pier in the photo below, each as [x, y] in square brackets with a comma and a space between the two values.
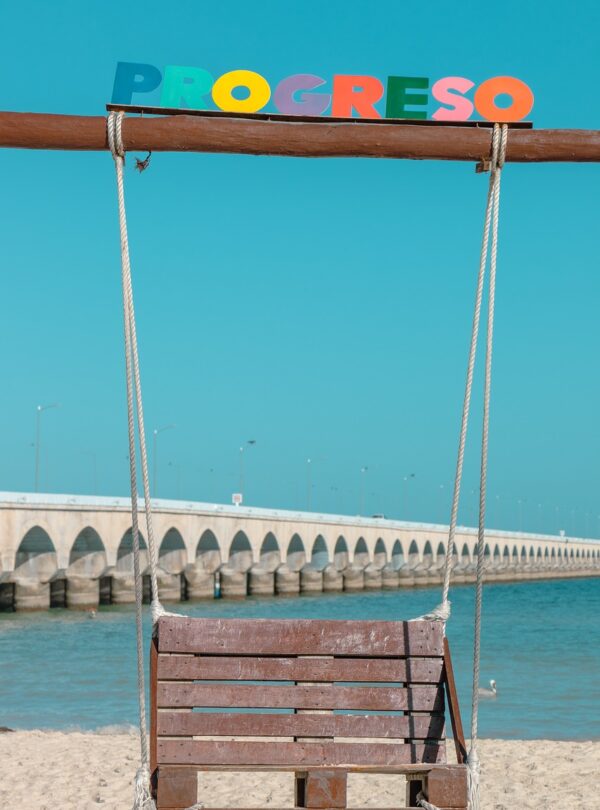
[75, 552]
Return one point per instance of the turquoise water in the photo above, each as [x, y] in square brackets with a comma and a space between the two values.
[541, 643]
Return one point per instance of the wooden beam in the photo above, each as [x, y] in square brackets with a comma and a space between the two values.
[323, 137]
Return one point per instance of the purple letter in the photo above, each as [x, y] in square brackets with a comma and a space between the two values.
[307, 104]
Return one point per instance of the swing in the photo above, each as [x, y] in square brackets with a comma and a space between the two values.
[310, 683]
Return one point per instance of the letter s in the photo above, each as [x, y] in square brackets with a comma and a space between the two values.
[461, 108]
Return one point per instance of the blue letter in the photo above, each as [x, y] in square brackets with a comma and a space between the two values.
[133, 78]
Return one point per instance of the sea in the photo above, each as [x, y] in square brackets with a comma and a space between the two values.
[540, 643]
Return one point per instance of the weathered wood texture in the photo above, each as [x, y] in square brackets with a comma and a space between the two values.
[236, 668]
[455, 718]
[205, 724]
[263, 637]
[319, 698]
[322, 789]
[448, 787]
[360, 698]
[296, 755]
[322, 138]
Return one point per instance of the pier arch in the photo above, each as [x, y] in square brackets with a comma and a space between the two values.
[270, 554]
[380, 556]
[36, 555]
[172, 554]
[414, 558]
[296, 553]
[208, 552]
[397, 555]
[88, 555]
[361, 553]
[240, 552]
[341, 558]
[319, 555]
[125, 552]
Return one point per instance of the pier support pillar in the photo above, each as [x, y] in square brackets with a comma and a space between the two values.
[30, 594]
[82, 592]
[234, 583]
[354, 578]
[199, 583]
[260, 581]
[311, 580]
[333, 580]
[287, 582]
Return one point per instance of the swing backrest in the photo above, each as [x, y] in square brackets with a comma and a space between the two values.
[235, 694]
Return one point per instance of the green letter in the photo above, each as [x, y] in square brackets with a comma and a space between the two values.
[185, 87]
[398, 98]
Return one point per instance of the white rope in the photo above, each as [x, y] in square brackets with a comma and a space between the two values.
[443, 610]
[422, 802]
[142, 795]
[498, 157]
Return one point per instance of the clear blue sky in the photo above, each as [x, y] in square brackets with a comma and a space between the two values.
[320, 307]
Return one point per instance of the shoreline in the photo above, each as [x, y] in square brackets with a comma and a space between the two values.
[85, 770]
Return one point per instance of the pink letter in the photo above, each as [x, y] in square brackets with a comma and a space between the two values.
[461, 108]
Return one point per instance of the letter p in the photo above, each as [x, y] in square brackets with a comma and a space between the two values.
[131, 78]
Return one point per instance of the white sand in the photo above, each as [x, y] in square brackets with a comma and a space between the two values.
[75, 771]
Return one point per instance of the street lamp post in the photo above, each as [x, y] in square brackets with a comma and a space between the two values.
[309, 479]
[155, 433]
[38, 429]
[442, 486]
[406, 480]
[249, 443]
[363, 472]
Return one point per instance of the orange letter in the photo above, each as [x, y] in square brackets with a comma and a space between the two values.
[358, 93]
[486, 94]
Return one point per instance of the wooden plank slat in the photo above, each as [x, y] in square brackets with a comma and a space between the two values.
[371, 670]
[300, 637]
[455, 718]
[294, 755]
[153, 705]
[173, 694]
[194, 724]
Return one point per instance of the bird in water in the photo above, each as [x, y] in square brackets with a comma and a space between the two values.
[488, 693]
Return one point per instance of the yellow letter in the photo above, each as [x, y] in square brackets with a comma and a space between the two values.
[258, 88]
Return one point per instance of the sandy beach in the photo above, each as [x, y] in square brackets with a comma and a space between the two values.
[80, 771]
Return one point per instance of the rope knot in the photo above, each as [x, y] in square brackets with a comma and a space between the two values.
[115, 137]
[441, 613]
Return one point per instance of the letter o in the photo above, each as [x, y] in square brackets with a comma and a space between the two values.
[485, 99]
[223, 88]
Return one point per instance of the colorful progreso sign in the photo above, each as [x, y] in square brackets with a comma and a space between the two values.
[500, 99]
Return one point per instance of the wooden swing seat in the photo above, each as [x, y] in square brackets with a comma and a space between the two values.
[319, 698]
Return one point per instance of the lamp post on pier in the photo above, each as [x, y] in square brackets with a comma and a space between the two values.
[38, 430]
[249, 443]
[155, 434]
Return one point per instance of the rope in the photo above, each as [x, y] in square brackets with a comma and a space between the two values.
[443, 610]
[498, 158]
[142, 796]
[422, 802]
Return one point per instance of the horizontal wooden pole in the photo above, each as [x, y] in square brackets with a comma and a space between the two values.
[325, 138]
